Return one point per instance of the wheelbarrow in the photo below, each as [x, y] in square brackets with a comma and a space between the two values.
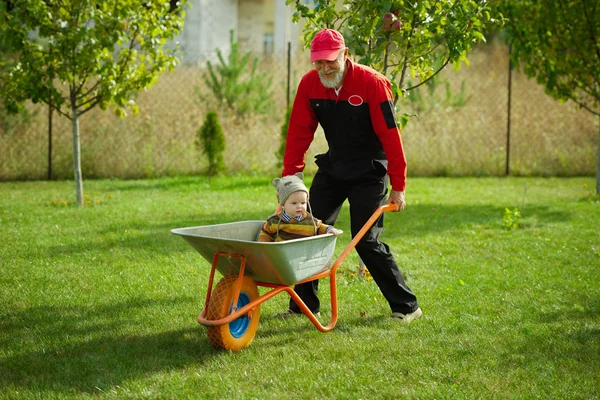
[232, 309]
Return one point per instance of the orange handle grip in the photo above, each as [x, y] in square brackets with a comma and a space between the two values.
[390, 207]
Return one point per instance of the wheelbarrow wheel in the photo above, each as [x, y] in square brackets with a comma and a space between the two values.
[238, 333]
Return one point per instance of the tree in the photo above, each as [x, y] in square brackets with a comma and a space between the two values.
[558, 43]
[211, 141]
[9, 119]
[236, 82]
[75, 55]
[410, 41]
[283, 137]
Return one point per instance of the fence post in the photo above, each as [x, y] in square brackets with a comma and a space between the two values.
[598, 161]
[49, 142]
[289, 63]
[509, 110]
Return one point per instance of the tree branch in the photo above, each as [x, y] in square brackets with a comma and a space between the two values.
[405, 60]
[430, 77]
[348, 17]
[430, 51]
[82, 95]
[584, 105]
[83, 82]
[69, 117]
[58, 110]
[131, 44]
[89, 107]
[91, 99]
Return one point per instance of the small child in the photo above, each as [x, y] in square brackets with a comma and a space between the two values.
[293, 221]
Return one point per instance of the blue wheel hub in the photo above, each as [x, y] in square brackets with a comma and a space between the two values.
[239, 326]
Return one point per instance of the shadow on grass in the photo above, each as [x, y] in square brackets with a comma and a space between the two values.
[588, 318]
[155, 238]
[279, 334]
[185, 183]
[78, 349]
[176, 183]
[560, 341]
[67, 350]
[418, 220]
[424, 219]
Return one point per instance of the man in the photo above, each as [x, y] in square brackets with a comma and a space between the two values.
[354, 106]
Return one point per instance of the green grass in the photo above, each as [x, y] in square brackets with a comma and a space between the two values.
[102, 301]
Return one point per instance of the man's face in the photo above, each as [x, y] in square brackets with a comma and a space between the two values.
[331, 73]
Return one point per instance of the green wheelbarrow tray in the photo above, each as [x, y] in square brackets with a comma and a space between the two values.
[283, 263]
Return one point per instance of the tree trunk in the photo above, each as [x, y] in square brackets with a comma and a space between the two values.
[76, 154]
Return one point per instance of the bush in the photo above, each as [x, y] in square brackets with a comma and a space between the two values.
[211, 140]
[284, 129]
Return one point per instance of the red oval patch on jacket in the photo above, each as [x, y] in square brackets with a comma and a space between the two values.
[355, 100]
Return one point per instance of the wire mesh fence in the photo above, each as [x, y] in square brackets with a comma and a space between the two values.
[460, 127]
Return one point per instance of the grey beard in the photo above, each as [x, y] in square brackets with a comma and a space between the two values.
[333, 83]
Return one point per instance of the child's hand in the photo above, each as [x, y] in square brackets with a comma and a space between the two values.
[335, 232]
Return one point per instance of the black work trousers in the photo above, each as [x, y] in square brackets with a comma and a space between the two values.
[365, 195]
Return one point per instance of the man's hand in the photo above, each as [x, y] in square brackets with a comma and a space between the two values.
[397, 197]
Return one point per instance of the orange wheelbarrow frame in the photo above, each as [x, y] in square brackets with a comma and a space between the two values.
[248, 308]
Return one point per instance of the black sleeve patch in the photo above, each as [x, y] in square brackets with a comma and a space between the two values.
[387, 108]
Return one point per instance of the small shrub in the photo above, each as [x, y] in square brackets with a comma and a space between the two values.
[511, 219]
[284, 129]
[211, 141]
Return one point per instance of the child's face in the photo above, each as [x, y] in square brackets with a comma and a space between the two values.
[295, 204]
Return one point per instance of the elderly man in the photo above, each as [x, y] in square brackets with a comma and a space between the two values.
[354, 106]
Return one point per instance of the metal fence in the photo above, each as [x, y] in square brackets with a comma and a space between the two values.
[461, 128]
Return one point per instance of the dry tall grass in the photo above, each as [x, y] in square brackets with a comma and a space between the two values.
[547, 138]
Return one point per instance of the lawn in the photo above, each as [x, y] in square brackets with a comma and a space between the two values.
[102, 301]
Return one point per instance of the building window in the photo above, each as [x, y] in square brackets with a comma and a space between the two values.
[269, 43]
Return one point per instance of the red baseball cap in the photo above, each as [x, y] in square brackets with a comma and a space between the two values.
[326, 45]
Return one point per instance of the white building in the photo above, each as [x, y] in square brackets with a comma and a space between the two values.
[260, 26]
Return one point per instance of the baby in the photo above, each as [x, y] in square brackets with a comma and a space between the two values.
[293, 221]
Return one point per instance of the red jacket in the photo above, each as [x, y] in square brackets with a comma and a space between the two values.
[359, 125]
